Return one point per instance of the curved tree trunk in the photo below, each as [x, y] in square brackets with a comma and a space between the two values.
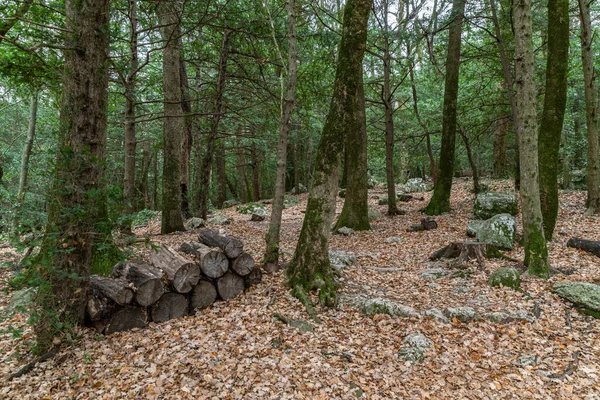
[555, 101]
[287, 106]
[172, 219]
[591, 110]
[536, 253]
[440, 200]
[310, 266]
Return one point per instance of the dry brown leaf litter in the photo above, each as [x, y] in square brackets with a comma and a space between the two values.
[236, 350]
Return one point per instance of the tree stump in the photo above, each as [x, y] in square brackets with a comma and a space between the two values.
[213, 262]
[243, 265]
[146, 279]
[230, 285]
[464, 251]
[183, 274]
[169, 306]
[253, 278]
[125, 319]
[116, 290]
[589, 246]
[203, 295]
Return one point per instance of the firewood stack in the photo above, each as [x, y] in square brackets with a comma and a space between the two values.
[171, 285]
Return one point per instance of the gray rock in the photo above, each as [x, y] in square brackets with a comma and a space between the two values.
[20, 301]
[507, 277]
[489, 204]
[523, 315]
[529, 361]
[500, 231]
[382, 201]
[196, 223]
[581, 293]
[498, 317]
[433, 274]
[258, 214]
[463, 314]
[341, 259]
[344, 230]
[417, 185]
[436, 314]
[219, 220]
[433, 285]
[394, 239]
[474, 227]
[385, 306]
[461, 290]
[374, 214]
[417, 345]
[230, 203]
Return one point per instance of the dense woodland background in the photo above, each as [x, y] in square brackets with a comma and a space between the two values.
[115, 111]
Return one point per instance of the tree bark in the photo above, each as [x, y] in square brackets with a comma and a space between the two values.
[536, 253]
[78, 217]
[116, 290]
[553, 115]
[440, 200]
[500, 133]
[242, 175]
[287, 106]
[388, 103]
[255, 172]
[171, 220]
[590, 246]
[221, 173]
[205, 171]
[591, 110]
[186, 143]
[310, 266]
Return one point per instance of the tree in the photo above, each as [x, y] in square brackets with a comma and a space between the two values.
[591, 110]
[172, 219]
[310, 267]
[78, 233]
[536, 253]
[288, 98]
[440, 200]
[555, 101]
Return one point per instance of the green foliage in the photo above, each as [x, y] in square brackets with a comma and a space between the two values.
[145, 216]
[290, 201]
[249, 208]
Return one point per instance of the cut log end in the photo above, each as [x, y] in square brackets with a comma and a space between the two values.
[230, 285]
[170, 305]
[203, 295]
[116, 290]
[186, 277]
[125, 319]
[234, 248]
[243, 265]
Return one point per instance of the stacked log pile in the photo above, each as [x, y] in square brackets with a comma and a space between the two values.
[171, 285]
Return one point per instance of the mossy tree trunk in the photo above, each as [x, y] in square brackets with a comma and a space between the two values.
[536, 253]
[187, 141]
[555, 101]
[310, 267]
[591, 109]
[500, 133]
[172, 220]
[78, 230]
[440, 200]
[288, 99]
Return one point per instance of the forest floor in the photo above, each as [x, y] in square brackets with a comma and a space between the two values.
[237, 350]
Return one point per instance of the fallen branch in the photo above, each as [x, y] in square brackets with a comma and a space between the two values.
[590, 246]
[27, 368]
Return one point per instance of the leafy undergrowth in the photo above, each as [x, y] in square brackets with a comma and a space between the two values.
[237, 350]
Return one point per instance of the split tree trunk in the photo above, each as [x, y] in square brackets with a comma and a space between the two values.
[182, 273]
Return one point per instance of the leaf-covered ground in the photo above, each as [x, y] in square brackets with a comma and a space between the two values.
[237, 350]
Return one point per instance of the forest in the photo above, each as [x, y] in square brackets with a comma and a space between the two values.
[299, 199]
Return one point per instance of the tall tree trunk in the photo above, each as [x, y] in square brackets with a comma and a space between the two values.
[78, 217]
[388, 103]
[591, 110]
[242, 174]
[508, 81]
[310, 267]
[472, 164]
[155, 181]
[536, 253]
[186, 144]
[205, 171]
[255, 160]
[143, 180]
[355, 212]
[440, 201]
[271, 259]
[130, 128]
[172, 220]
[221, 173]
[500, 133]
[553, 115]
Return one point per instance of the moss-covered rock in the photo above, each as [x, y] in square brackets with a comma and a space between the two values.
[433, 274]
[341, 259]
[436, 314]
[583, 294]
[463, 314]
[250, 208]
[345, 231]
[416, 346]
[196, 223]
[374, 214]
[498, 317]
[230, 203]
[507, 277]
[500, 231]
[489, 204]
[385, 306]
[474, 227]
[417, 185]
[219, 220]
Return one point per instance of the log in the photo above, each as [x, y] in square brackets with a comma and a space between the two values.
[243, 265]
[125, 319]
[169, 306]
[253, 278]
[230, 285]
[99, 306]
[234, 248]
[116, 290]
[203, 295]
[146, 279]
[182, 273]
[213, 262]
[589, 246]
[211, 238]
[425, 225]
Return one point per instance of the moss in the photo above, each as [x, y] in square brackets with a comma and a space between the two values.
[438, 204]
[590, 312]
[104, 258]
[536, 253]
